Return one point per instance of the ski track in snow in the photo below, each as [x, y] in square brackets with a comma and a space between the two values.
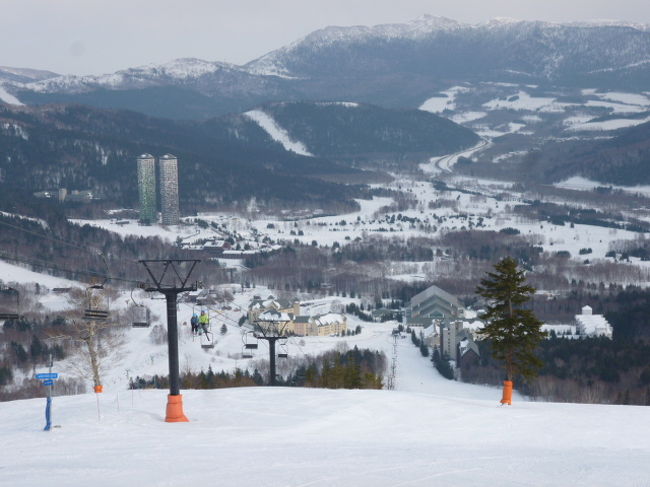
[277, 133]
[7, 97]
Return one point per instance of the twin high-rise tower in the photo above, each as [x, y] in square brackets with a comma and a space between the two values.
[168, 177]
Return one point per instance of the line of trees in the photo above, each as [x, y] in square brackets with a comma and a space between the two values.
[351, 369]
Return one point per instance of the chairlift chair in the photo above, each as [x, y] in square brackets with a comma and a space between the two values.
[94, 312]
[142, 316]
[13, 313]
[249, 346]
[283, 350]
[207, 342]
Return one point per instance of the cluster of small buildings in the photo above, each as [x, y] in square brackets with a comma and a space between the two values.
[285, 316]
[448, 327]
[168, 178]
[444, 324]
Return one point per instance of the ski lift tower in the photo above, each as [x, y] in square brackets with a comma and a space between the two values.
[170, 277]
[271, 326]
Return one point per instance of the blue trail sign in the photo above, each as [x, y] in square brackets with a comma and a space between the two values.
[51, 375]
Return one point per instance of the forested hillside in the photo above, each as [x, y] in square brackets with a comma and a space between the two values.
[623, 159]
[222, 161]
[357, 131]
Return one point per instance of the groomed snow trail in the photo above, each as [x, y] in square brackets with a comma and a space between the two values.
[277, 133]
[317, 437]
[429, 431]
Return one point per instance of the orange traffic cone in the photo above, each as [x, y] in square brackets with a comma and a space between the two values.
[507, 393]
[175, 412]
[99, 389]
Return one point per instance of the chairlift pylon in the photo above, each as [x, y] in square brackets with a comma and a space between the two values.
[13, 313]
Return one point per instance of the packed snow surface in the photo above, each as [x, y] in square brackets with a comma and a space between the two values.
[316, 437]
[7, 97]
[580, 183]
[523, 101]
[13, 273]
[277, 133]
[465, 117]
[613, 124]
[446, 101]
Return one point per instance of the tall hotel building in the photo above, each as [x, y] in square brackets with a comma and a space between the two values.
[169, 190]
[147, 189]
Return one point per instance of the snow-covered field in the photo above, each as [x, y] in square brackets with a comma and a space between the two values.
[583, 184]
[605, 125]
[427, 432]
[445, 101]
[21, 275]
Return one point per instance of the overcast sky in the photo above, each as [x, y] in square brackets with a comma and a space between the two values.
[100, 36]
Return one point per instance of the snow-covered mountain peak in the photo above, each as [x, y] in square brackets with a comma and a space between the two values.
[433, 22]
[181, 69]
[26, 73]
[501, 21]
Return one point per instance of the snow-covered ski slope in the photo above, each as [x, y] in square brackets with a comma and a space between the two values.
[429, 431]
[314, 437]
[277, 133]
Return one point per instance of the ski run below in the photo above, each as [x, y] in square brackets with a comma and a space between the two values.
[277, 133]
[7, 97]
[429, 431]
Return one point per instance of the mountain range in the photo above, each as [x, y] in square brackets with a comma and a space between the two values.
[339, 103]
[395, 65]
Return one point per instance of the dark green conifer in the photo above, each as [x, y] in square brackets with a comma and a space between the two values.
[514, 332]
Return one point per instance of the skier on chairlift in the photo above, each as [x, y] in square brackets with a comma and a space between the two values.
[194, 321]
[204, 321]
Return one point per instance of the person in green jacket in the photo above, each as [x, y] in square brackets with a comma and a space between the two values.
[204, 321]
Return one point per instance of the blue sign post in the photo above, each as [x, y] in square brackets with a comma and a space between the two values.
[48, 413]
[48, 381]
[51, 375]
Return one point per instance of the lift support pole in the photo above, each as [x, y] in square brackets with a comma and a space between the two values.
[174, 412]
[271, 340]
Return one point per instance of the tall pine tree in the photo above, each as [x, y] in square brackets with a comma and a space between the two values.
[514, 332]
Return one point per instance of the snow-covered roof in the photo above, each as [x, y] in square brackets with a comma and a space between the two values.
[328, 319]
[429, 331]
[593, 325]
[475, 325]
[273, 315]
[465, 345]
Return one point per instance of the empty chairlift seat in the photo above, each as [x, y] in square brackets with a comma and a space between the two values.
[250, 345]
[141, 317]
[96, 304]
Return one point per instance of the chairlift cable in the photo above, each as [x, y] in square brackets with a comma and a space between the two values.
[99, 253]
[62, 269]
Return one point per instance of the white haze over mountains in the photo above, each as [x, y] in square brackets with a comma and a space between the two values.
[80, 37]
